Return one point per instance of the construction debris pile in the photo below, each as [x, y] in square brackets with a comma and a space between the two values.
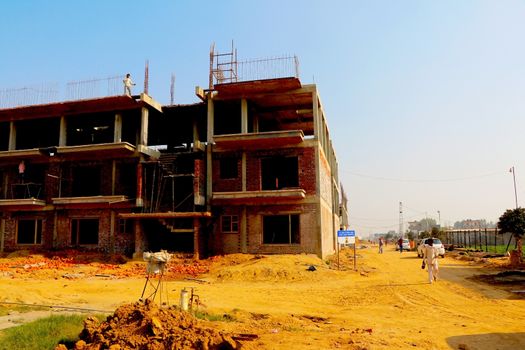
[146, 326]
[85, 265]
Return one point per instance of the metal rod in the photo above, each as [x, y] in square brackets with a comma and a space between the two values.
[515, 192]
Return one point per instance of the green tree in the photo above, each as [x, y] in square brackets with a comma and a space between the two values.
[513, 221]
[424, 224]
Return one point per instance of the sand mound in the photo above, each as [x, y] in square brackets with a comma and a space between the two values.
[146, 326]
[273, 268]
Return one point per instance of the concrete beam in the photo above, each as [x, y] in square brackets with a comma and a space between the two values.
[199, 92]
[151, 102]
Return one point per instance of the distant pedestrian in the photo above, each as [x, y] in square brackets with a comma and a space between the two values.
[400, 244]
[430, 259]
[21, 170]
[381, 243]
[128, 83]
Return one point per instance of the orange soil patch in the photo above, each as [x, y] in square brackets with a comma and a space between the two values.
[146, 326]
[72, 264]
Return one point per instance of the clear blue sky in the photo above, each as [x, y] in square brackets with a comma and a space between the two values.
[424, 99]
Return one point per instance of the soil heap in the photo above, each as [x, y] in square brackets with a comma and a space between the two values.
[146, 326]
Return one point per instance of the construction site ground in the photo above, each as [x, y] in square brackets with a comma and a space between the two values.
[296, 301]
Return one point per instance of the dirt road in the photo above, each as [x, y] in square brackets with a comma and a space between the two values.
[386, 304]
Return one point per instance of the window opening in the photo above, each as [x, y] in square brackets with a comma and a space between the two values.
[4, 136]
[29, 133]
[229, 168]
[230, 223]
[281, 229]
[227, 117]
[86, 181]
[279, 172]
[84, 231]
[90, 129]
[125, 226]
[127, 180]
[29, 231]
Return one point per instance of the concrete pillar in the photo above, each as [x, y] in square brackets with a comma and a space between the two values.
[244, 116]
[195, 132]
[144, 127]
[317, 136]
[117, 134]
[244, 130]
[12, 136]
[196, 238]
[140, 239]
[209, 139]
[113, 176]
[62, 137]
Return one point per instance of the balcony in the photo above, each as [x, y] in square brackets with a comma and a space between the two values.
[21, 204]
[259, 197]
[261, 140]
[92, 202]
[96, 151]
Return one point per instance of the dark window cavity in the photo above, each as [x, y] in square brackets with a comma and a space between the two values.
[281, 229]
[86, 181]
[279, 172]
[228, 168]
[29, 231]
[84, 231]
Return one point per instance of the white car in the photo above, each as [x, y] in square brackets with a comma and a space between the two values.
[436, 243]
[406, 244]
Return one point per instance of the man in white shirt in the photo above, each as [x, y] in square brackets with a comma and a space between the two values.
[128, 83]
[430, 258]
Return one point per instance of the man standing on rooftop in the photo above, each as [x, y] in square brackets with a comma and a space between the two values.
[128, 83]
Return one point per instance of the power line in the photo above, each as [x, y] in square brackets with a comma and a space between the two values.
[370, 219]
[422, 180]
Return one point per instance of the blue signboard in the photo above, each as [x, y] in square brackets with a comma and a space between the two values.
[346, 233]
[346, 237]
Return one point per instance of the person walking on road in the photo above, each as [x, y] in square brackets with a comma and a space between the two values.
[430, 258]
[381, 243]
[400, 244]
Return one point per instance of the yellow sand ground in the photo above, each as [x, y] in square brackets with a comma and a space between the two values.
[386, 304]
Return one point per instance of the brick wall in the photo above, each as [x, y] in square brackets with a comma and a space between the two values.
[10, 236]
[122, 242]
[307, 226]
[225, 185]
[306, 164]
[199, 183]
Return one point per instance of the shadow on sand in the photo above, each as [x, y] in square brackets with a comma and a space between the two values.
[401, 284]
[488, 341]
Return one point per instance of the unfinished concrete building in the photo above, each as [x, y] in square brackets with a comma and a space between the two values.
[249, 169]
